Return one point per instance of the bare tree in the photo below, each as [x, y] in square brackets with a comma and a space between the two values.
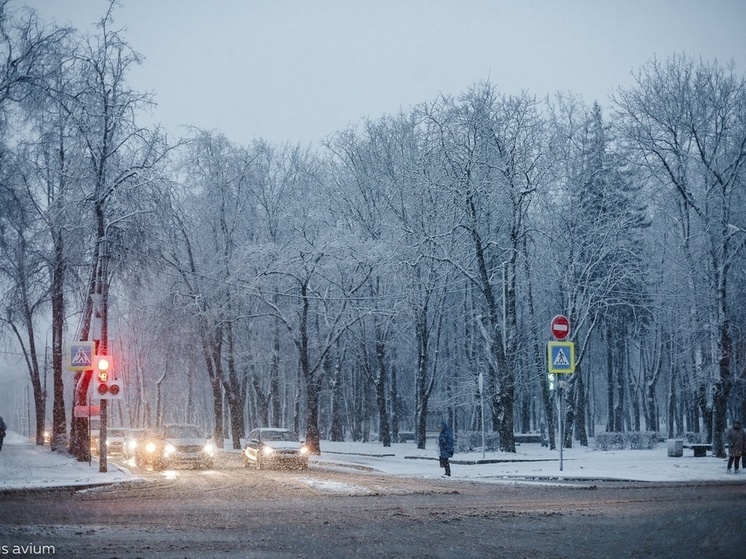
[687, 121]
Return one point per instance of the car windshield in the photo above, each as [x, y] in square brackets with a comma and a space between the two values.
[278, 436]
[182, 432]
[115, 432]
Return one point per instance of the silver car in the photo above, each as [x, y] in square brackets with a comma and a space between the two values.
[268, 447]
[186, 444]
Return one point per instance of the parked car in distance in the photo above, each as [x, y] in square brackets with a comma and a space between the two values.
[115, 440]
[273, 446]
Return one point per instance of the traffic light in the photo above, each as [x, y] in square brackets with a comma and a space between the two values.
[105, 386]
[551, 380]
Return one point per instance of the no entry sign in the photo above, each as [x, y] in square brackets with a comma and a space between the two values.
[560, 327]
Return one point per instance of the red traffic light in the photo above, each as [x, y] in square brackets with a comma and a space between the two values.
[103, 388]
[102, 362]
[114, 389]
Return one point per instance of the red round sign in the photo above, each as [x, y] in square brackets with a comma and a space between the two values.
[560, 327]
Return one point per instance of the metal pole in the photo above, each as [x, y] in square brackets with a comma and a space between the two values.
[561, 421]
[103, 346]
[481, 395]
[102, 437]
[89, 399]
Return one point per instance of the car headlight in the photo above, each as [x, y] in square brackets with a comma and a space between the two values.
[304, 450]
[169, 449]
[150, 447]
[209, 449]
[267, 450]
[132, 445]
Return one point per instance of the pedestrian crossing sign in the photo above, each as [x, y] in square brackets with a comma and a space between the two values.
[79, 355]
[561, 357]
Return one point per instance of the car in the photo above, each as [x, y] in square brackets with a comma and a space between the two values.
[115, 440]
[274, 446]
[147, 449]
[174, 444]
[130, 442]
[187, 444]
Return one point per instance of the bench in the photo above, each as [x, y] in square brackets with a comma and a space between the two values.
[700, 450]
[406, 436]
[528, 438]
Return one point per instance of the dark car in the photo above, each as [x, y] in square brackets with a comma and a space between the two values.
[130, 442]
[274, 447]
[147, 449]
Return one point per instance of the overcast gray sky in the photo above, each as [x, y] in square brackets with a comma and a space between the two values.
[298, 70]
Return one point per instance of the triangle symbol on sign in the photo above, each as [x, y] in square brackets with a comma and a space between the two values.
[81, 358]
[561, 358]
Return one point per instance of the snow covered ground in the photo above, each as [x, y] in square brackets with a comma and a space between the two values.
[25, 465]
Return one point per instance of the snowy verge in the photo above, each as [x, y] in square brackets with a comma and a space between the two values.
[24, 465]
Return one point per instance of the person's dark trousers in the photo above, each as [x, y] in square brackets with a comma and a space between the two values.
[732, 459]
[445, 464]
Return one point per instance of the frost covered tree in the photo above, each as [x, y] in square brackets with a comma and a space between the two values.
[598, 219]
[119, 158]
[687, 121]
[30, 55]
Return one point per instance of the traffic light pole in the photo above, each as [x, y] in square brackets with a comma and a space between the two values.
[103, 343]
[102, 437]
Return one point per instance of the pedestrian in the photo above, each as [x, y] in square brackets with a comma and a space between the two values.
[3, 427]
[736, 445]
[445, 445]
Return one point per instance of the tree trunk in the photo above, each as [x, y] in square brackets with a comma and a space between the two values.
[274, 377]
[383, 415]
[59, 419]
[610, 422]
[394, 405]
[337, 433]
[423, 388]
[538, 362]
[581, 400]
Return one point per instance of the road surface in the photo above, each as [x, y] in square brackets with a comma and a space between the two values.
[320, 513]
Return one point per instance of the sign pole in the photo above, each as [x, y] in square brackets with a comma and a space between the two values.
[481, 394]
[560, 362]
[561, 406]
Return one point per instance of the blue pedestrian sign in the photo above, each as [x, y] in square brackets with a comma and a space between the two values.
[79, 355]
[561, 357]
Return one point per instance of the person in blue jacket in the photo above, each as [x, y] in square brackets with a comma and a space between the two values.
[3, 427]
[445, 445]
